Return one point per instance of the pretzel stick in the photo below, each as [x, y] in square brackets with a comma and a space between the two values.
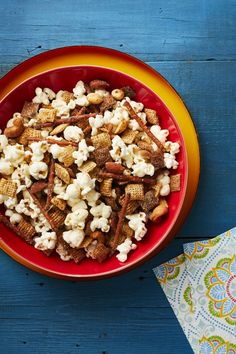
[50, 184]
[8, 224]
[120, 221]
[54, 141]
[87, 130]
[69, 120]
[44, 212]
[143, 126]
[124, 178]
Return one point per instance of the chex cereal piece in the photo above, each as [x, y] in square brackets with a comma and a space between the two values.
[62, 173]
[59, 129]
[121, 127]
[157, 160]
[26, 229]
[106, 187]
[57, 217]
[8, 187]
[67, 96]
[175, 183]
[157, 188]
[112, 202]
[29, 133]
[102, 156]
[151, 115]
[102, 140]
[29, 110]
[76, 254]
[67, 157]
[129, 135]
[159, 211]
[46, 115]
[132, 206]
[135, 190]
[108, 103]
[100, 252]
[127, 231]
[59, 203]
[145, 146]
[88, 166]
[150, 201]
[86, 242]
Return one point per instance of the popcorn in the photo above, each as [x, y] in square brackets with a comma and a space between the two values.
[46, 242]
[101, 210]
[160, 134]
[85, 182]
[73, 133]
[92, 197]
[14, 154]
[38, 170]
[79, 89]
[96, 122]
[173, 148]
[63, 108]
[170, 161]
[137, 223]
[10, 203]
[76, 220]
[82, 101]
[15, 218]
[82, 154]
[41, 224]
[38, 150]
[73, 237]
[3, 142]
[27, 207]
[143, 168]
[59, 187]
[42, 96]
[6, 167]
[164, 179]
[100, 223]
[56, 151]
[124, 248]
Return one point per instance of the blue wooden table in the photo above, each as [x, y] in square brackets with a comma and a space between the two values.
[193, 44]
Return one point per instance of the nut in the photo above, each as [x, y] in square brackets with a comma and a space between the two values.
[16, 130]
[114, 167]
[98, 85]
[159, 211]
[118, 94]
[94, 98]
[98, 235]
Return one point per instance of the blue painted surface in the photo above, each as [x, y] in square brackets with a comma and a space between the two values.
[192, 43]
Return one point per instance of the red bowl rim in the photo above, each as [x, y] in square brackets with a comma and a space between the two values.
[21, 259]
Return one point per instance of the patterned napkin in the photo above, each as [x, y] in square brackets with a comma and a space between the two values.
[200, 286]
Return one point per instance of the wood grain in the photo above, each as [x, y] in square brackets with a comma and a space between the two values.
[193, 45]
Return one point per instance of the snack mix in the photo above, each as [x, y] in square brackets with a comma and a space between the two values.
[82, 172]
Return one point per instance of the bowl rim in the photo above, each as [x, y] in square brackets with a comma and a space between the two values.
[151, 252]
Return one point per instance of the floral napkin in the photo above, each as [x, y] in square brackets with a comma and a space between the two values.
[200, 286]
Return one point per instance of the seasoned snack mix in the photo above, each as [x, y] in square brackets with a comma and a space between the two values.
[82, 172]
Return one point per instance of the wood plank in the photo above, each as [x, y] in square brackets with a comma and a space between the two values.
[160, 30]
[127, 314]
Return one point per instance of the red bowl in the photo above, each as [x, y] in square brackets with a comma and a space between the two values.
[65, 78]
